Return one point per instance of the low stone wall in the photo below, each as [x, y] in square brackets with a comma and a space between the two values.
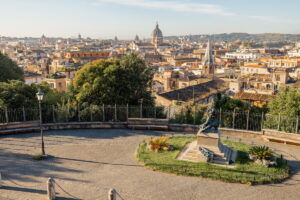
[84, 125]
[240, 133]
[19, 130]
[33, 126]
[15, 125]
[224, 131]
[184, 127]
[24, 127]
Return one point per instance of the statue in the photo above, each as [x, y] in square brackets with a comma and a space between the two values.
[211, 124]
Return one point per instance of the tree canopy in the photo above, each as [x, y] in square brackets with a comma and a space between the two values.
[286, 102]
[51, 96]
[16, 94]
[124, 81]
[9, 70]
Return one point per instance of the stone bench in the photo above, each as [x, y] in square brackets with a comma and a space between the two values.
[148, 121]
[280, 140]
[147, 127]
[148, 124]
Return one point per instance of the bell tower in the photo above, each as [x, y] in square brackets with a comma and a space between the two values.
[208, 64]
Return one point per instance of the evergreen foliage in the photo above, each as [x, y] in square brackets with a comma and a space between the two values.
[9, 70]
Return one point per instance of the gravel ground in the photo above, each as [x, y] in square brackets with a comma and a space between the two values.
[86, 163]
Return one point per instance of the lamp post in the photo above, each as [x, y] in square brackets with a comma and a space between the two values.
[40, 96]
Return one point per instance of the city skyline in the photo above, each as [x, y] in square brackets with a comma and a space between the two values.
[105, 19]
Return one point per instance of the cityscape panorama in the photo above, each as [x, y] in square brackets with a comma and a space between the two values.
[149, 100]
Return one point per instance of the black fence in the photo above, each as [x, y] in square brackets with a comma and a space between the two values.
[195, 115]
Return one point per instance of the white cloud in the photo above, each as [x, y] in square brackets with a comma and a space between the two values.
[175, 6]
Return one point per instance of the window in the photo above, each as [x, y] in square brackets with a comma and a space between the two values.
[277, 77]
[60, 85]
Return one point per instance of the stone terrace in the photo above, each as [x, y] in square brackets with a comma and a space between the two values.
[87, 163]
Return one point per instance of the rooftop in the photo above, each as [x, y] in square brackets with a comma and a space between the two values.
[198, 92]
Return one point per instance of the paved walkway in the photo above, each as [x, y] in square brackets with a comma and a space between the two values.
[87, 163]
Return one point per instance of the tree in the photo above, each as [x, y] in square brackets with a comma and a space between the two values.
[286, 103]
[123, 81]
[16, 94]
[51, 96]
[229, 104]
[9, 70]
[284, 110]
[243, 114]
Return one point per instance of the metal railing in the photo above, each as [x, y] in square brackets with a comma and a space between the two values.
[242, 120]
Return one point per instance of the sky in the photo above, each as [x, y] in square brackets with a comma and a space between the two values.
[105, 19]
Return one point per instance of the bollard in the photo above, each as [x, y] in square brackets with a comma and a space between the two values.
[112, 194]
[51, 189]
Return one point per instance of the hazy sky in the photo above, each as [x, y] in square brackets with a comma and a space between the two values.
[126, 18]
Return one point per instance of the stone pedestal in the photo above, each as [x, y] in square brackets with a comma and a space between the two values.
[208, 139]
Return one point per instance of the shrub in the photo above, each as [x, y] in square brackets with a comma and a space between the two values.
[260, 152]
[159, 144]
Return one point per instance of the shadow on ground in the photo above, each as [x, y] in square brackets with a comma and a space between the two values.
[16, 153]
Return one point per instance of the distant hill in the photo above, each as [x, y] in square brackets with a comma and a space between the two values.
[230, 37]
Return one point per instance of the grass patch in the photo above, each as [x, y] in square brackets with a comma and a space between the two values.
[245, 171]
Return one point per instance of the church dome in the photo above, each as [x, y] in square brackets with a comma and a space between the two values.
[157, 32]
[157, 36]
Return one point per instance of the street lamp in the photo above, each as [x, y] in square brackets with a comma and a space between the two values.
[39, 96]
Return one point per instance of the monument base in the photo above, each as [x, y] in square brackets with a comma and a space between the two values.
[209, 139]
